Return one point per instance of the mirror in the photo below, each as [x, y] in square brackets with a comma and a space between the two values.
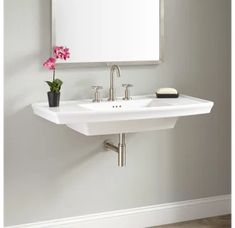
[109, 31]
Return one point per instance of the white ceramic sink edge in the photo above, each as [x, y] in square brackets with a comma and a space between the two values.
[76, 111]
[143, 113]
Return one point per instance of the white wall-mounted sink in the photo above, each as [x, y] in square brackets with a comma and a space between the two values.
[142, 113]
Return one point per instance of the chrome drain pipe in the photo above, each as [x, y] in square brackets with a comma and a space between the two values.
[120, 149]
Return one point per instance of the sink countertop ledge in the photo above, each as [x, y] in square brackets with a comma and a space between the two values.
[140, 107]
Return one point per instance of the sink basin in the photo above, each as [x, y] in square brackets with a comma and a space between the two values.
[122, 105]
[143, 113]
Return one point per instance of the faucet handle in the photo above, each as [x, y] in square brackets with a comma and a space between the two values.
[97, 87]
[127, 92]
[127, 85]
[97, 93]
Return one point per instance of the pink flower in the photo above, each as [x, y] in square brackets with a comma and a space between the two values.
[66, 53]
[61, 52]
[50, 63]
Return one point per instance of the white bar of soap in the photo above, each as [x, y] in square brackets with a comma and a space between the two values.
[167, 91]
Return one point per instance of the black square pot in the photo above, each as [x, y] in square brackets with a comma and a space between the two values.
[53, 99]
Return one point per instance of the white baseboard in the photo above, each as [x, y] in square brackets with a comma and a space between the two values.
[143, 217]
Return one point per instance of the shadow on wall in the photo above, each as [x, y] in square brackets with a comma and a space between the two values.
[44, 29]
[196, 148]
[19, 64]
[39, 156]
[55, 147]
[23, 60]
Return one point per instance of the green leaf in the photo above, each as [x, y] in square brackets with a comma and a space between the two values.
[50, 84]
[58, 82]
[55, 85]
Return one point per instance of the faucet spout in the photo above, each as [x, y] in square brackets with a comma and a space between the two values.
[112, 95]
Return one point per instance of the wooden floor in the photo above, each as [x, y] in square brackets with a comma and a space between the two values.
[214, 222]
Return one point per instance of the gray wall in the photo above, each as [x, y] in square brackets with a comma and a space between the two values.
[53, 172]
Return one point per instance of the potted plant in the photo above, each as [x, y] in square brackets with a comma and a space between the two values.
[55, 85]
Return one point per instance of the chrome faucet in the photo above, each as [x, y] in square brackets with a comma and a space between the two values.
[112, 95]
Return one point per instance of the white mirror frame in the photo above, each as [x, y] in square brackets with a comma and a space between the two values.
[126, 63]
